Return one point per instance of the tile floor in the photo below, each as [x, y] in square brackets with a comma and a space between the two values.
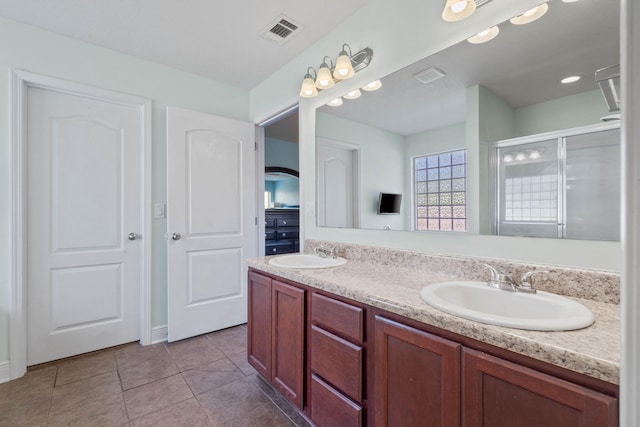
[201, 381]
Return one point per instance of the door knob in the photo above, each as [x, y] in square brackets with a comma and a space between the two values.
[176, 236]
[132, 236]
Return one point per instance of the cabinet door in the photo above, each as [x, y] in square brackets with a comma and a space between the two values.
[288, 340]
[259, 324]
[498, 393]
[417, 377]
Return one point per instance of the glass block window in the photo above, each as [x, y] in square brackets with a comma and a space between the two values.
[440, 191]
[531, 199]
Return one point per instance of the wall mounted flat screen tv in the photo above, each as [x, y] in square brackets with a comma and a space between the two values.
[389, 204]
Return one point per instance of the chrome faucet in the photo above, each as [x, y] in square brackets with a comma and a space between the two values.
[506, 282]
[323, 252]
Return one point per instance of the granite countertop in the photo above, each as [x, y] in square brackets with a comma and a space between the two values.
[593, 351]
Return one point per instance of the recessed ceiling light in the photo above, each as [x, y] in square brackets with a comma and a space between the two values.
[372, 86]
[570, 79]
[353, 94]
[335, 103]
[484, 36]
[530, 15]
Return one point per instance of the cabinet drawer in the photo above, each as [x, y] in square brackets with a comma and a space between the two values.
[270, 235]
[330, 408]
[336, 316]
[278, 248]
[287, 234]
[288, 222]
[338, 362]
[269, 222]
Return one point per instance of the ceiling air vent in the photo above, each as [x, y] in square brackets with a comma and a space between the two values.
[429, 75]
[281, 29]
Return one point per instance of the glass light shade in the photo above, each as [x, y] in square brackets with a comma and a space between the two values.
[344, 68]
[308, 89]
[335, 103]
[530, 15]
[457, 10]
[353, 94]
[324, 79]
[484, 36]
[372, 86]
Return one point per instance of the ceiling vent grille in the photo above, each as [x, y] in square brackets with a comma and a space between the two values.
[429, 75]
[281, 29]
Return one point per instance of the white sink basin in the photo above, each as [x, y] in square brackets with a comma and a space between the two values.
[306, 261]
[541, 311]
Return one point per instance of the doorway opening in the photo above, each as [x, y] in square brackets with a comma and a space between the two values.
[281, 192]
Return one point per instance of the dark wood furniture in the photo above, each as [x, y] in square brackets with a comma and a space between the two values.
[281, 231]
[345, 364]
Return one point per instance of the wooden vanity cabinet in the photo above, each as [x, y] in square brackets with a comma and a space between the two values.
[499, 393]
[365, 366]
[417, 377]
[275, 339]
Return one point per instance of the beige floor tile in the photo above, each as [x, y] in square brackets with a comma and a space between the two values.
[85, 367]
[32, 412]
[133, 354]
[37, 384]
[109, 411]
[240, 360]
[231, 401]
[155, 396]
[194, 352]
[139, 371]
[187, 413]
[267, 415]
[85, 392]
[231, 340]
[212, 375]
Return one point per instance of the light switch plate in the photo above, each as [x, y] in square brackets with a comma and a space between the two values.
[158, 211]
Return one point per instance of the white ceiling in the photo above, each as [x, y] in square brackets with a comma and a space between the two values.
[522, 66]
[220, 40]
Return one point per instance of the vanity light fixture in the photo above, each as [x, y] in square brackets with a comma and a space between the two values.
[335, 103]
[457, 10]
[353, 94]
[484, 36]
[520, 157]
[344, 67]
[308, 89]
[507, 158]
[372, 86]
[325, 79]
[570, 79]
[328, 75]
[530, 15]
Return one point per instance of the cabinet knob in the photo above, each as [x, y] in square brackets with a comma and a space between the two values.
[284, 222]
[274, 250]
[284, 234]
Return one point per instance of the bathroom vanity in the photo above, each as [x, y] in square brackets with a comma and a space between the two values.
[355, 345]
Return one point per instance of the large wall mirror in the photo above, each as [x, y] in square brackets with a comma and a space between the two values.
[448, 114]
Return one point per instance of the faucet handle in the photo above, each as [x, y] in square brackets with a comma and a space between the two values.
[525, 280]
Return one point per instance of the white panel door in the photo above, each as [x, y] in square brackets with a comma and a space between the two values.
[211, 223]
[84, 175]
[336, 203]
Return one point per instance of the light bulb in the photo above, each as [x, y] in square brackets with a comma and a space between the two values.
[353, 94]
[484, 36]
[534, 154]
[458, 7]
[530, 15]
[308, 89]
[520, 157]
[324, 79]
[335, 103]
[372, 86]
[507, 158]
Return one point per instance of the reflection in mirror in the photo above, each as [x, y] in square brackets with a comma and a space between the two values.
[281, 188]
[465, 99]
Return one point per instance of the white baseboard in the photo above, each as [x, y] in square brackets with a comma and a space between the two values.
[159, 334]
[5, 371]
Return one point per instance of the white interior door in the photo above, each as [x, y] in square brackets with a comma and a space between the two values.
[211, 220]
[336, 166]
[84, 175]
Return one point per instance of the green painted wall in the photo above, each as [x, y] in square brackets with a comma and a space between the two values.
[28, 48]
